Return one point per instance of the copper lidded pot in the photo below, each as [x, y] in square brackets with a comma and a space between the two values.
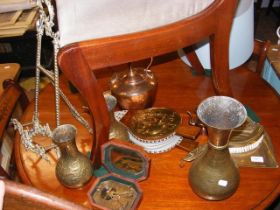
[134, 89]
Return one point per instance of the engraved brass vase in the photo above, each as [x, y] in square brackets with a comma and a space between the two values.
[214, 175]
[134, 89]
[73, 169]
[117, 129]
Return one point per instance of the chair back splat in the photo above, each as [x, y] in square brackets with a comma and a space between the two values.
[79, 59]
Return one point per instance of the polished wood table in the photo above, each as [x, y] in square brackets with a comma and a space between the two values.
[167, 186]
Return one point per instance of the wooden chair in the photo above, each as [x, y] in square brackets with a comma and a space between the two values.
[18, 196]
[260, 50]
[103, 34]
[12, 102]
[8, 71]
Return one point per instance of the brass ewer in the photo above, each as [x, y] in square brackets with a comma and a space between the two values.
[214, 175]
[73, 169]
[134, 89]
[117, 129]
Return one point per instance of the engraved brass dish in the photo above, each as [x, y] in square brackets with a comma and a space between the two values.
[154, 123]
[127, 164]
[115, 193]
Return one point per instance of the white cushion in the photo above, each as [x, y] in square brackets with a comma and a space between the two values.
[13, 5]
[89, 19]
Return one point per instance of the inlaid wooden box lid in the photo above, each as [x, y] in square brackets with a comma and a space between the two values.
[127, 165]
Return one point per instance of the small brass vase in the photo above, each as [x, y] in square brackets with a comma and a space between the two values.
[117, 129]
[214, 175]
[73, 169]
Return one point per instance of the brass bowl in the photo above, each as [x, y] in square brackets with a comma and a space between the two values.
[154, 123]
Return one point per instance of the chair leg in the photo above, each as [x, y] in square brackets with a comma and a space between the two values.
[257, 12]
[260, 49]
[193, 59]
[23, 99]
[76, 70]
[220, 66]
[219, 51]
[269, 8]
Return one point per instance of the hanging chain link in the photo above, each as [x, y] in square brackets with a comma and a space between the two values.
[40, 31]
[56, 81]
[48, 25]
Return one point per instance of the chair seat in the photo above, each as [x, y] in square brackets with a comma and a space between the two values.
[97, 19]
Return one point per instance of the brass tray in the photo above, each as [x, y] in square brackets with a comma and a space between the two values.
[246, 134]
[154, 124]
[250, 146]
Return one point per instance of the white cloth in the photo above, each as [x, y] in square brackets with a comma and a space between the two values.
[91, 19]
[13, 5]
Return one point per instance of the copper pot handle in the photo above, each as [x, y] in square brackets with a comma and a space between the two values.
[145, 69]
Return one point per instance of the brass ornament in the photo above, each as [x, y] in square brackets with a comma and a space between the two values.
[115, 193]
[45, 26]
[154, 124]
[246, 137]
[73, 169]
[117, 129]
[250, 146]
[127, 165]
[214, 175]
